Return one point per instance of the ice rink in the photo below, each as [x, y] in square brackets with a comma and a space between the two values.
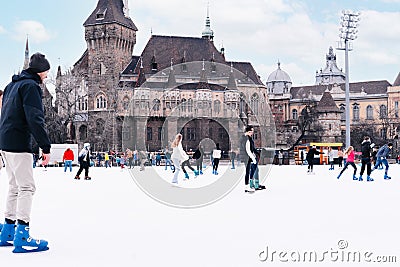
[297, 220]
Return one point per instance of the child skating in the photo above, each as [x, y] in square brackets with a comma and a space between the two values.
[350, 161]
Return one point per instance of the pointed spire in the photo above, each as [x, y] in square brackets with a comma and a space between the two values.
[141, 76]
[171, 83]
[26, 60]
[203, 83]
[232, 81]
[207, 32]
[58, 71]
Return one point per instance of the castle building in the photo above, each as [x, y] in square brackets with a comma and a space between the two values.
[177, 84]
[371, 102]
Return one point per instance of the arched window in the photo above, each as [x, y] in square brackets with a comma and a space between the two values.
[83, 133]
[156, 104]
[190, 105]
[295, 115]
[143, 102]
[370, 112]
[217, 106]
[343, 110]
[101, 102]
[382, 112]
[125, 103]
[183, 105]
[356, 112]
[242, 104]
[383, 132]
[100, 126]
[254, 101]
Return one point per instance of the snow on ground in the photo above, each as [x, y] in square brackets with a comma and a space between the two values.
[109, 221]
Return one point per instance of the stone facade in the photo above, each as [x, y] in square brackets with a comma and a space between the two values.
[177, 84]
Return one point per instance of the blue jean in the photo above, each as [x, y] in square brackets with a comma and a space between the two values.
[168, 162]
[66, 164]
[383, 160]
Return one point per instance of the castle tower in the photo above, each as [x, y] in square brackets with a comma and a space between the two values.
[331, 74]
[207, 32]
[110, 35]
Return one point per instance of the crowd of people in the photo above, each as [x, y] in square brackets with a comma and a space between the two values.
[371, 158]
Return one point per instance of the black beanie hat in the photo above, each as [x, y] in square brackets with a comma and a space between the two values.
[38, 63]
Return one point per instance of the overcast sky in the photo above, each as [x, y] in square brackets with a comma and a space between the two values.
[298, 33]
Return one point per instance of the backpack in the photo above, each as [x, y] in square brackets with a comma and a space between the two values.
[197, 154]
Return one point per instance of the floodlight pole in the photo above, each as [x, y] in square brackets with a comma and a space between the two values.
[348, 32]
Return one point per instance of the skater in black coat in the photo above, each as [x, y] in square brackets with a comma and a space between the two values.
[312, 151]
[366, 158]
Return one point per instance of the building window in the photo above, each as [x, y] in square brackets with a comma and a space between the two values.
[254, 101]
[242, 104]
[160, 133]
[125, 103]
[143, 102]
[356, 112]
[370, 112]
[83, 133]
[191, 134]
[217, 106]
[183, 105]
[149, 133]
[343, 114]
[184, 67]
[221, 133]
[383, 133]
[190, 105]
[255, 135]
[396, 109]
[100, 126]
[101, 102]
[156, 104]
[294, 114]
[382, 112]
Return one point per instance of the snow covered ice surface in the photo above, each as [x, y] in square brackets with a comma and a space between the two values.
[109, 221]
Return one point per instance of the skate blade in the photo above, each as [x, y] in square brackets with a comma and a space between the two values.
[25, 250]
[6, 244]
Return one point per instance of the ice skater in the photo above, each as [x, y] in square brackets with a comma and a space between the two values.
[340, 157]
[312, 151]
[22, 117]
[168, 161]
[216, 157]
[381, 156]
[68, 157]
[247, 150]
[254, 173]
[199, 157]
[350, 161]
[330, 158]
[84, 162]
[179, 157]
[366, 158]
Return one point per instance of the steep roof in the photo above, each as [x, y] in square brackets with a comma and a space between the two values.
[248, 70]
[397, 81]
[327, 104]
[109, 11]
[369, 87]
[160, 50]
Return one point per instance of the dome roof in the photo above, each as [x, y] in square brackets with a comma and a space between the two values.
[279, 76]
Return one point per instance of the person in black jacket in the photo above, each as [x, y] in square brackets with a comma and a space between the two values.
[312, 151]
[366, 158]
[22, 116]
